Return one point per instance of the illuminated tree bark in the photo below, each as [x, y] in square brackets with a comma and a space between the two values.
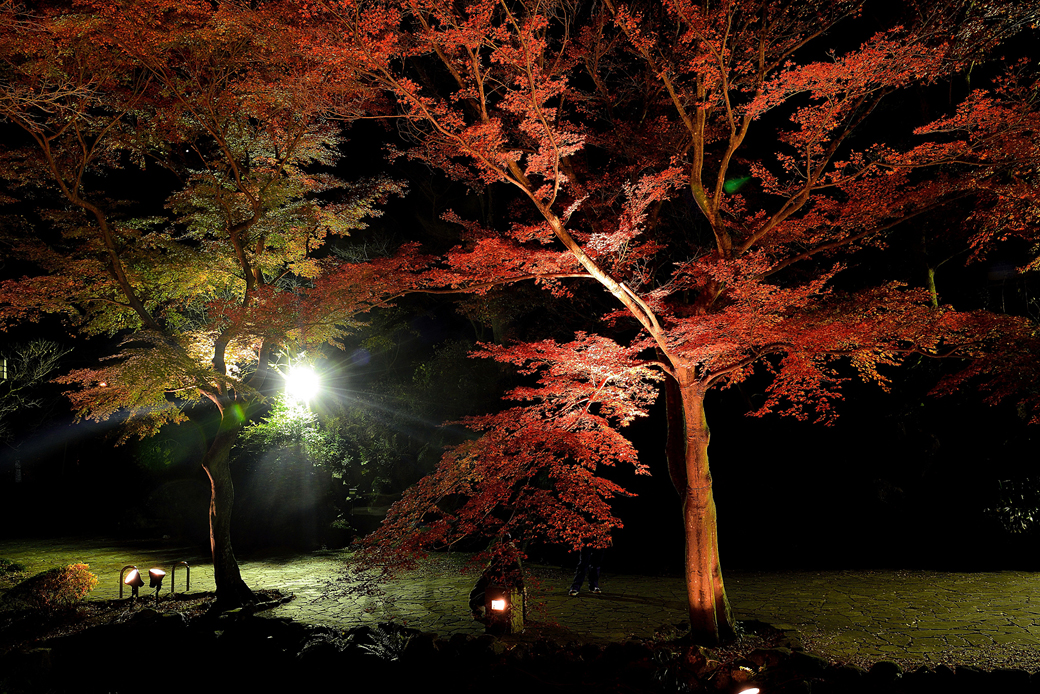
[226, 574]
[709, 607]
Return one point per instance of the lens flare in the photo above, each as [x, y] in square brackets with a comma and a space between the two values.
[302, 384]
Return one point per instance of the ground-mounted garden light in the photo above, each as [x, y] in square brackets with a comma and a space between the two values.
[133, 579]
[504, 608]
[173, 578]
[156, 576]
[302, 383]
[744, 678]
[749, 685]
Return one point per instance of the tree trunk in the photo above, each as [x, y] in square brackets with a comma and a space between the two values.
[711, 620]
[232, 591]
[675, 444]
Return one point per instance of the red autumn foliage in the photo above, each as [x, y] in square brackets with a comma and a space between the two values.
[60, 588]
[535, 469]
[717, 168]
[180, 166]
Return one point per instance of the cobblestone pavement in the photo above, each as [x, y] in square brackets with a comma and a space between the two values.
[989, 619]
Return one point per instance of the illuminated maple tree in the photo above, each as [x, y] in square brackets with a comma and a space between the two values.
[715, 167]
[172, 187]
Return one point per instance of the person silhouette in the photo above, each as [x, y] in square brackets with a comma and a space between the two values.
[590, 561]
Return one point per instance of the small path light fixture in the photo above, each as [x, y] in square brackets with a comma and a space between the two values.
[133, 579]
[156, 575]
[504, 608]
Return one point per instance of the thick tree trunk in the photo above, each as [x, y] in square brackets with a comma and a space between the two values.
[232, 591]
[675, 445]
[711, 620]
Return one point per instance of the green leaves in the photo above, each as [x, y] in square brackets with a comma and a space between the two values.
[202, 272]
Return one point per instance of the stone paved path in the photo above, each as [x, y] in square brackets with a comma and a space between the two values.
[989, 619]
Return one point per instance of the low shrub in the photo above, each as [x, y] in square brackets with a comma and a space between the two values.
[54, 589]
[8, 567]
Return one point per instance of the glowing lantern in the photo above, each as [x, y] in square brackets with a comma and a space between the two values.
[505, 609]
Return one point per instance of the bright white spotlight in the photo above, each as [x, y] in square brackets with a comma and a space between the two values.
[302, 384]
